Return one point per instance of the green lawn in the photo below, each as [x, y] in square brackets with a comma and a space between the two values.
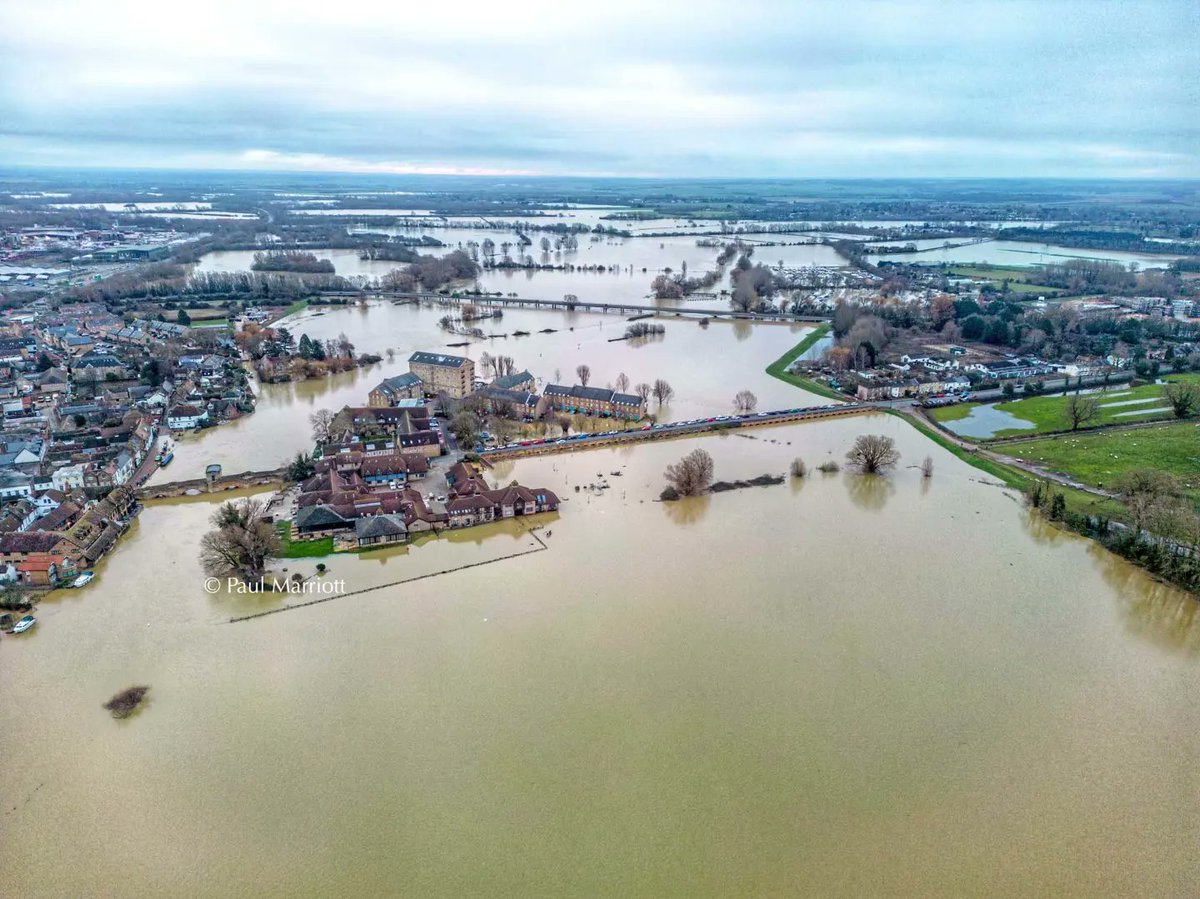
[952, 413]
[1017, 277]
[1048, 413]
[778, 368]
[302, 549]
[298, 306]
[1098, 458]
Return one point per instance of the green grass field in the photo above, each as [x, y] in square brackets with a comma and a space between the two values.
[778, 368]
[1098, 458]
[1018, 278]
[298, 306]
[1048, 413]
[302, 549]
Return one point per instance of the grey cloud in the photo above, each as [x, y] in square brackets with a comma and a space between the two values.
[762, 87]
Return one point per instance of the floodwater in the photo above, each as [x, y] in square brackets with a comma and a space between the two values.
[986, 420]
[684, 356]
[1012, 252]
[637, 261]
[838, 686]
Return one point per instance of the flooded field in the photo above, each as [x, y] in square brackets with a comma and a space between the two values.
[1011, 252]
[785, 690]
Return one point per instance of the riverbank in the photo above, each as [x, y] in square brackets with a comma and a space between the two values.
[779, 368]
[1088, 511]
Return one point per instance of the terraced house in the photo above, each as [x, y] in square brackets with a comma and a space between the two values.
[451, 375]
[593, 401]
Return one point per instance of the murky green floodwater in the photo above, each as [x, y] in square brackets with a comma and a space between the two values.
[841, 686]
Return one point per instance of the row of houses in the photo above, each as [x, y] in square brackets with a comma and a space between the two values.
[69, 538]
[341, 502]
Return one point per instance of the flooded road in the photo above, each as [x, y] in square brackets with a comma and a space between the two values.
[841, 685]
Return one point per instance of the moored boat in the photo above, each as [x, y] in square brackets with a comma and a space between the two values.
[166, 460]
[24, 624]
[84, 579]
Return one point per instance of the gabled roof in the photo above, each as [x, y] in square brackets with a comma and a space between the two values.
[508, 382]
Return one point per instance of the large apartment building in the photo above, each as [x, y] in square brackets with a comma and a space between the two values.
[594, 401]
[452, 375]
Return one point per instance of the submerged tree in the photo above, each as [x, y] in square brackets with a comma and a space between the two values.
[243, 541]
[692, 474]
[873, 454]
[745, 402]
[663, 392]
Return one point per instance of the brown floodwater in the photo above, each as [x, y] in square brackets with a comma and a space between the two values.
[835, 686]
[706, 366]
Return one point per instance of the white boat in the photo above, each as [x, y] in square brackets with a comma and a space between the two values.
[24, 624]
[83, 580]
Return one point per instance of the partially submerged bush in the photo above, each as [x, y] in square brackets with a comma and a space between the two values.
[799, 469]
[669, 493]
[124, 703]
[829, 467]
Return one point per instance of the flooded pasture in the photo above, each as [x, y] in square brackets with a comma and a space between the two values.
[838, 685]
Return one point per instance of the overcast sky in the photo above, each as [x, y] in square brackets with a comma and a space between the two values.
[624, 87]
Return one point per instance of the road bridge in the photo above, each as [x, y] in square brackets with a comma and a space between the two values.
[581, 305]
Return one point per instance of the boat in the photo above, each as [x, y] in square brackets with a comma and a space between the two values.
[24, 624]
[166, 460]
[84, 579]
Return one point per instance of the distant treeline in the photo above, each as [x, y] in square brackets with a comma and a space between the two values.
[1099, 239]
[291, 261]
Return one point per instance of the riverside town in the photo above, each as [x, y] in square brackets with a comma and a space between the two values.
[465, 452]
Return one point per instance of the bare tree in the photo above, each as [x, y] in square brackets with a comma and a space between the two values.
[622, 383]
[745, 402]
[643, 390]
[873, 454]
[692, 474]
[1184, 398]
[799, 469]
[1145, 491]
[663, 392]
[503, 366]
[322, 423]
[1081, 409]
[927, 467]
[485, 363]
[584, 373]
[242, 542]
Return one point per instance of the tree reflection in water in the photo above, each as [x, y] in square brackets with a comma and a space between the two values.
[742, 328]
[1168, 616]
[869, 491]
[687, 510]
